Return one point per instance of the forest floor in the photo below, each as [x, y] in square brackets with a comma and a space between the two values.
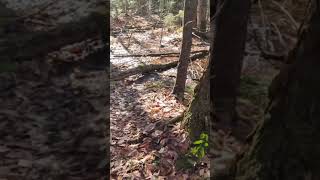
[143, 145]
[53, 129]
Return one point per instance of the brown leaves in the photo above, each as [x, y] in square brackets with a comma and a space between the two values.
[141, 104]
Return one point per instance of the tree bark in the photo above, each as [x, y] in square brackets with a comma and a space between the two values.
[202, 15]
[189, 12]
[286, 144]
[228, 51]
[126, 6]
[199, 116]
[195, 16]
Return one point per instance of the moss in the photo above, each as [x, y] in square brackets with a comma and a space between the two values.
[190, 90]
[254, 89]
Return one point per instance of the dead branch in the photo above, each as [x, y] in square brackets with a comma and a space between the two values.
[206, 36]
[172, 54]
[286, 12]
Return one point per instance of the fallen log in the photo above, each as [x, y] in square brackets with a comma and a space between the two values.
[172, 54]
[265, 55]
[26, 46]
[152, 68]
[163, 67]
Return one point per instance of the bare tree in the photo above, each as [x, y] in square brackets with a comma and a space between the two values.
[189, 13]
[202, 15]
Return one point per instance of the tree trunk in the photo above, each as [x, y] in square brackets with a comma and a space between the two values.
[150, 7]
[161, 6]
[202, 15]
[228, 51]
[126, 6]
[286, 144]
[189, 12]
[195, 20]
[198, 118]
[143, 7]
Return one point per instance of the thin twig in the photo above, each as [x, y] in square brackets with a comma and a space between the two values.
[263, 23]
[284, 44]
[294, 22]
[159, 54]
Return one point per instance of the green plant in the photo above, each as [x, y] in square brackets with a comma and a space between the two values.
[174, 20]
[200, 146]
[155, 85]
[190, 90]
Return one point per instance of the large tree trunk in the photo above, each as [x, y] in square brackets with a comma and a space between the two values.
[202, 15]
[198, 118]
[228, 50]
[189, 12]
[286, 144]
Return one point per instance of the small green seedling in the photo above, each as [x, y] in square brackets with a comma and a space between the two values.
[200, 146]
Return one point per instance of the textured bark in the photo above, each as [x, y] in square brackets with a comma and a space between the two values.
[189, 12]
[286, 144]
[197, 118]
[202, 15]
[230, 28]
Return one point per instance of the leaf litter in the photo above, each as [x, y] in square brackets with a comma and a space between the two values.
[143, 145]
